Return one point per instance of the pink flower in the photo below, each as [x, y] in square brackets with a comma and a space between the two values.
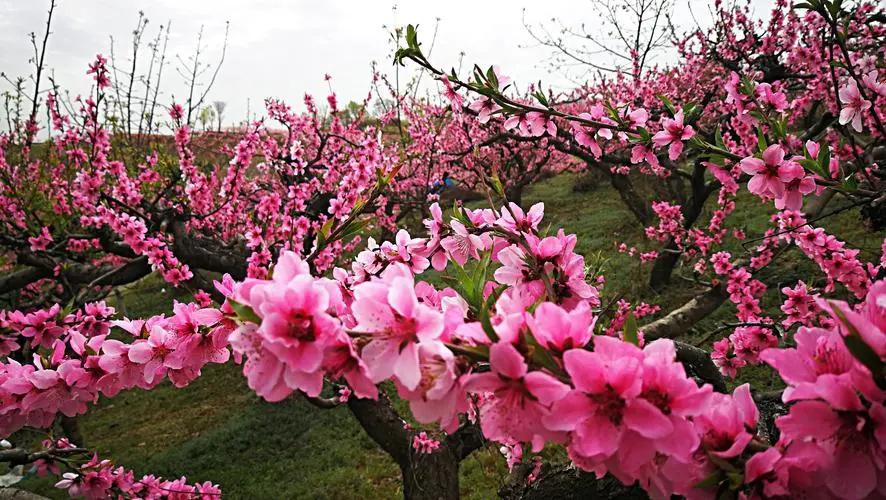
[294, 321]
[389, 312]
[674, 133]
[870, 81]
[520, 399]
[597, 412]
[815, 368]
[41, 242]
[627, 404]
[155, 354]
[794, 190]
[558, 330]
[454, 98]
[778, 100]
[440, 395]
[484, 107]
[854, 105]
[771, 173]
[514, 219]
[341, 361]
[727, 424]
[463, 244]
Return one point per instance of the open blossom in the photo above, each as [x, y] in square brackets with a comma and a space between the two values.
[440, 395]
[559, 330]
[771, 173]
[40, 242]
[837, 424]
[455, 99]
[463, 244]
[155, 354]
[854, 105]
[794, 190]
[674, 133]
[777, 100]
[514, 219]
[627, 404]
[388, 311]
[484, 107]
[519, 399]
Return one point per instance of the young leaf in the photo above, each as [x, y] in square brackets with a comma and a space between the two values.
[630, 329]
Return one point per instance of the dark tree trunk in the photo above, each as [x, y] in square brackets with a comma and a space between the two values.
[425, 476]
[515, 194]
[431, 476]
[664, 265]
[669, 256]
[71, 430]
[565, 482]
[635, 203]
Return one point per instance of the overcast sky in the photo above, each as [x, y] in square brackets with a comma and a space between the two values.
[283, 49]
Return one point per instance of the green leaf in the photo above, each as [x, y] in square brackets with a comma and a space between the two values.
[667, 103]
[541, 356]
[354, 228]
[244, 312]
[630, 329]
[711, 481]
[824, 159]
[761, 140]
[860, 349]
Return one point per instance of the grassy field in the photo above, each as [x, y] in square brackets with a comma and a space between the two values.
[216, 429]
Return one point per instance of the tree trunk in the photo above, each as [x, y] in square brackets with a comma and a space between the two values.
[515, 194]
[565, 481]
[431, 476]
[664, 265]
[670, 255]
[71, 430]
[635, 203]
[425, 476]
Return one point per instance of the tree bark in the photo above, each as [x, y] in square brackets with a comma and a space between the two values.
[565, 481]
[635, 203]
[681, 319]
[431, 476]
[670, 255]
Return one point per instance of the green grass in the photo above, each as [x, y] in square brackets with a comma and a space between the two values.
[217, 429]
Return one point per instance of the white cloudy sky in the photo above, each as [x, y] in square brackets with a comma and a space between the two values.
[283, 49]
